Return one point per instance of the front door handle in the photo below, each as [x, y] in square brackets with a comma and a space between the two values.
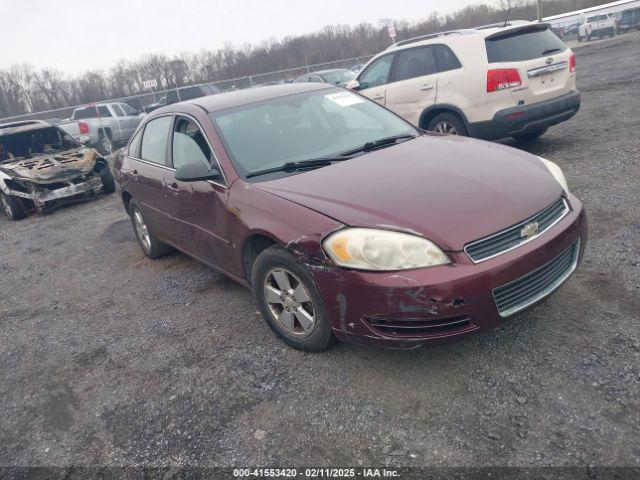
[378, 98]
[426, 88]
[173, 187]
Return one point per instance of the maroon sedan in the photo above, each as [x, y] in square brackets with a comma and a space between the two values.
[345, 220]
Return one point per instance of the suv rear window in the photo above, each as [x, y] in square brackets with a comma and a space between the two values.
[523, 45]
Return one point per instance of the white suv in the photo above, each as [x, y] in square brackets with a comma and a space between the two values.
[490, 82]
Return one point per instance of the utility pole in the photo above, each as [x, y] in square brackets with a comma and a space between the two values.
[540, 11]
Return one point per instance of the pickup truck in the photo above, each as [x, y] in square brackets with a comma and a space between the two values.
[106, 126]
[597, 26]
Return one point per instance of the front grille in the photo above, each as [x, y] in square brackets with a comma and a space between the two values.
[526, 290]
[423, 328]
[512, 237]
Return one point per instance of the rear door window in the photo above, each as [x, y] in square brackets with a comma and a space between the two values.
[154, 140]
[523, 45]
[446, 59]
[118, 110]
[416, 62]
[103, 111]
[377, 73]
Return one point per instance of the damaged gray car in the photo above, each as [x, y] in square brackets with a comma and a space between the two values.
[42, 167]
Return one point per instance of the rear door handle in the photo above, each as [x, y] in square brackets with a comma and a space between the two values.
[426, 88]
[135, 172]
[378, 98]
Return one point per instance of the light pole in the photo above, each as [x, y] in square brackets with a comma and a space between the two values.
[540, 11]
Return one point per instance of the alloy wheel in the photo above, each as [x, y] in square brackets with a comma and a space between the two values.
[445, 127]
[289, 302]
[141, 230]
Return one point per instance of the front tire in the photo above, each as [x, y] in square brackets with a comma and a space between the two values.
[13, 207]
[290, 301]
[448, 123]
[151, 246]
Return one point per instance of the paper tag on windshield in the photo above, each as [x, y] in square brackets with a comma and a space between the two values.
[344, 99]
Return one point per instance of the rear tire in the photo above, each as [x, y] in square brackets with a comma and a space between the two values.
[149, 243]
[289, 301]
[449, 123]
[529, 137]
[13, 207]
[108, 182]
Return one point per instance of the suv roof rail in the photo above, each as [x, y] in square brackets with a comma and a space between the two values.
[430, 36]
[512, 23]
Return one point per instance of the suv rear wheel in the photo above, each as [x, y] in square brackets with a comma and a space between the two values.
[448, 122]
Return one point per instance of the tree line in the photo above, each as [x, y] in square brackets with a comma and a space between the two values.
[25, 89]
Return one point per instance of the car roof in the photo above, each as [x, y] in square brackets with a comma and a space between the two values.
[24, 126]
[222, 101]
[484, 31]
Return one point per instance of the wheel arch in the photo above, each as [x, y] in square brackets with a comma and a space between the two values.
[430, 113]
[126, 200]
[253, 245]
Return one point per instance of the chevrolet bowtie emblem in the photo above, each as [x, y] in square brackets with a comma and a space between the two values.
[529, 230]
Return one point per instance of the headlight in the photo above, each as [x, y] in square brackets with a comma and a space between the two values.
[369, 249]
[556, 171]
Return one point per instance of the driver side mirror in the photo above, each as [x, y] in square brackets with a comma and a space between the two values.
[196, 172]
[354, 85]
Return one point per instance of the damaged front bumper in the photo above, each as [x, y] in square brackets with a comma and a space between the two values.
[407, 309]
[47, 182]
[44, 196]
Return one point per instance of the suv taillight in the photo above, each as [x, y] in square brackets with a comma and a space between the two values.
[572, 63]
[503, 78]
[84, 127]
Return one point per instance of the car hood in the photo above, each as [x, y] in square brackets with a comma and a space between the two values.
[449, 189]
[57, 166]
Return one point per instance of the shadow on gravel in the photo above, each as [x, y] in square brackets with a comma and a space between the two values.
[119, 232]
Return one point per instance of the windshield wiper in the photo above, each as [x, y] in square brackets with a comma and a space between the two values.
[383, 142]
[301, 165]
[551, 50]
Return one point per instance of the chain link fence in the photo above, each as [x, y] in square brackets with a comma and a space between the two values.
[146, 102]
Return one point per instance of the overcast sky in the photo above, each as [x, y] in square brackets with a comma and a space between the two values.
[78, 35]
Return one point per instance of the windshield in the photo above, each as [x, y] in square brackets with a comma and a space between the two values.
[34, 142]
[338, 76]
[301, 127]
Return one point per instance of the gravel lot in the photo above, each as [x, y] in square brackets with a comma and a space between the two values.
[109, 358]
